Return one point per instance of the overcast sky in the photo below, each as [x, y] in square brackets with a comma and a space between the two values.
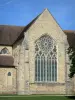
[21, 12]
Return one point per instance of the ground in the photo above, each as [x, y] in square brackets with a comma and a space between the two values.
[37, 97]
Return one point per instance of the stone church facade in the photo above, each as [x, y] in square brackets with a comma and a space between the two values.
[34, 59]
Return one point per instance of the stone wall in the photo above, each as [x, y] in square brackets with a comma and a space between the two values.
[47, 88]
[7, 83]
[73, 85]
[21, 61]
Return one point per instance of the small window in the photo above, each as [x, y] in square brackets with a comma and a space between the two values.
[4, 51]
[9, 73]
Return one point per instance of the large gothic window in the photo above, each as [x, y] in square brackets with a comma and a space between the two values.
[45, 60]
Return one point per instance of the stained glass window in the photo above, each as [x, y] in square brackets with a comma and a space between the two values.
[45, 60]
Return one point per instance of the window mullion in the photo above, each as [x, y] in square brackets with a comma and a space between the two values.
[37, 68]
[46, 68]
[43, 68]
[54, 69]
[40, 68]
[51, 68]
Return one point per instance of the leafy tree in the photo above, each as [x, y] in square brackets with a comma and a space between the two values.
[71, 52]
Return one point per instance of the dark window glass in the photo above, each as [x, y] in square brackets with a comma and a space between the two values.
[4, 51]
[9, 73]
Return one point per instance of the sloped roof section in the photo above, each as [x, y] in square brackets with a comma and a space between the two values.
[70, 37]
[6, 61]
[9, 34]
[26, 28]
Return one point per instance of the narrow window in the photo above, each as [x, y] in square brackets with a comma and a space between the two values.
[9, 73]
[9, 79]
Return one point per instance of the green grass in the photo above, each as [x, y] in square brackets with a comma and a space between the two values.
[37, 97]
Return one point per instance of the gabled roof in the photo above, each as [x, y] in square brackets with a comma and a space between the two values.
[9, 35]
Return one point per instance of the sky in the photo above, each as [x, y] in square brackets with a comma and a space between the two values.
[21, 12]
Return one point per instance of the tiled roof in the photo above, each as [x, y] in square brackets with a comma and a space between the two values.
[6, 61]
[9, 34]
[70, 37]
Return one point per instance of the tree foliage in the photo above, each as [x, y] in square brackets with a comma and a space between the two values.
[71, 52]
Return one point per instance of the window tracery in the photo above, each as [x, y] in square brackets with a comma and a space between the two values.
[45, 59]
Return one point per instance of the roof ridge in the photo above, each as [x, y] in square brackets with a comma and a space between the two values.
[69, 31]
[12, 25]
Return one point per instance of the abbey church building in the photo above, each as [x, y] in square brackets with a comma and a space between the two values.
[34, 58]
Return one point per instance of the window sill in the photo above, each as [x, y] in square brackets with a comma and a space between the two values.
[48, 83]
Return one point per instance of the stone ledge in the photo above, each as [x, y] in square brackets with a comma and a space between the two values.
[42, 83]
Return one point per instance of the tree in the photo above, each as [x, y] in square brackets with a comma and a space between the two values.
[71, 52]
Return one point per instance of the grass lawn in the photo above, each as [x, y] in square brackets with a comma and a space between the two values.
[37, 97]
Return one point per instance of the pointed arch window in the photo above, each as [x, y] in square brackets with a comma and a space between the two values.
[4, 51]
[9, 73]
[45, 60]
